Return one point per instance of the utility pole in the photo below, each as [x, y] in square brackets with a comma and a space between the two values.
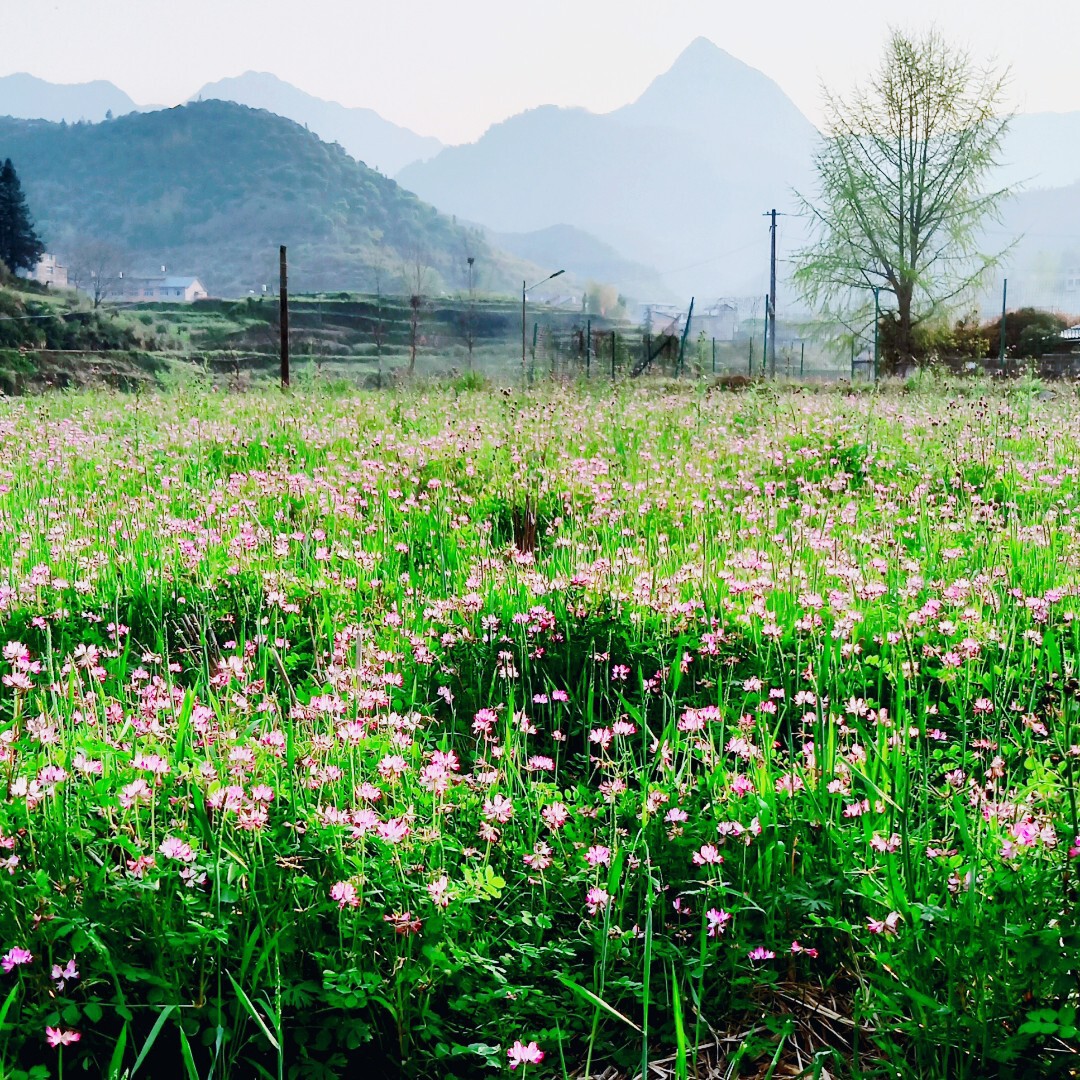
[471, 327]
[283, 300]
[1001, 344]
[770, 313]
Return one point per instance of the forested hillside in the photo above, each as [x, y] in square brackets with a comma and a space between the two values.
[212, 188]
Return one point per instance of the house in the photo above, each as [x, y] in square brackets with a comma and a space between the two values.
[164, 288]
[49, 271]
[719, 320]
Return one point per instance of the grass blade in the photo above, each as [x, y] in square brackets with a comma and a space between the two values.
[254, 1014]
[155, 1031]
[599, 1002]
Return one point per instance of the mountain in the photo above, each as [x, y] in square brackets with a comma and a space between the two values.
[31, 98]
[213, 188]
[363, 133]
[678, 179]
[583, 256]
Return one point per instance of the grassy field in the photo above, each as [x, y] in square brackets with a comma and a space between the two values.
[438, 733]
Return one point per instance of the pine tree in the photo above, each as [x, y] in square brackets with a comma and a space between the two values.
[20, 245]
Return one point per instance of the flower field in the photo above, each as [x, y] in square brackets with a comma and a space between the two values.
[461, 734]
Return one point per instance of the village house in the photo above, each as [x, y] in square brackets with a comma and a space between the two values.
[163, 287]
[49, 271]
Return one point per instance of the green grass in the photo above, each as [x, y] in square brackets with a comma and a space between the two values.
[398, 731]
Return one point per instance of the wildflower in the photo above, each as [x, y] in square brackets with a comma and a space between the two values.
[524, 1054]
[15, 957]
[173, 848]
[540, 858]
[596, 899]
[57, 1037]
[403, 923]
[708, 855]
[484, 720]
[797, 948]
[437, 891]
[498, 808]
[717, 920]
[63, 975]
[598, 855]
[393, 831]
[761, 953]
[886, 926]
[555, 816]
[343, 893]
[741, 785]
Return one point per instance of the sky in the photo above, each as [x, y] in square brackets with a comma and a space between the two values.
[452, 69]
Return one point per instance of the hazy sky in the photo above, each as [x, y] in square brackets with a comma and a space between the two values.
[451, 69]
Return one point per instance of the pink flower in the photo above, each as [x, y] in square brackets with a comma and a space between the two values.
[403, 923]
[56, 1037]
[597, 855]
[597, 898]
[797, 948]
[555, 816]
[344, 894]
[887, 925]
[172, 848]
[498, 808]
[540, 858]
[522, 1054]
[437, 891]
[761, 953]
[709, 855]
[63, 975]
[14, 958]
[717, 919]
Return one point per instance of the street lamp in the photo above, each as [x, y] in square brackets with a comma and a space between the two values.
[524, 290]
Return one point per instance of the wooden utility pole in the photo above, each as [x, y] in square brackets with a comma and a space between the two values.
[283, 299]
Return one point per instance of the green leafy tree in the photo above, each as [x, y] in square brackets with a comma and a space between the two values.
[903, 191]
[20, 246]
[1028, 332]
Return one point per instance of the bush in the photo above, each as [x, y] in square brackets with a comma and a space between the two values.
[1028, 332]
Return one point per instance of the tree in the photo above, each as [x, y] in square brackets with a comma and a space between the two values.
[902, 176]
[1028, 332]
[20, 246]
[415, 272]
[95, 267]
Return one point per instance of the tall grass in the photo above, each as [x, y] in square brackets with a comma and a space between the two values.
[440, 733]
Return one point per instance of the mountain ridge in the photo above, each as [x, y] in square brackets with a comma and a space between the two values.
[364, 134]
[641, 178]
[27, 97]
[213, 188]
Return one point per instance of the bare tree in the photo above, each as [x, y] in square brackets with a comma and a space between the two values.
[416, 273]
[902, 177]
[378, 325]
[95, 267]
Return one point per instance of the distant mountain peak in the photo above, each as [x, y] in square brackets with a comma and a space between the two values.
[27, 96]
[362, 132]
